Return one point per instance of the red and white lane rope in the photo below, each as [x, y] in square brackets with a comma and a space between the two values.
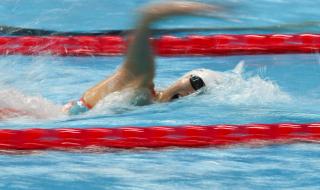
[193, 45]
[155, 137]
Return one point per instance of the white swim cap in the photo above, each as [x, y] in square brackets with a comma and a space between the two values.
[214, 78]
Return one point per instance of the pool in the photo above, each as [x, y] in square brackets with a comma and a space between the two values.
[271, 89]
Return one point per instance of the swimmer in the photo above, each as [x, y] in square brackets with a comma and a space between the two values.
[138, 70]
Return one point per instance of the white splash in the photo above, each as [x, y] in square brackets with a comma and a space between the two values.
[35, 106]
[121, 101]
[232, 87]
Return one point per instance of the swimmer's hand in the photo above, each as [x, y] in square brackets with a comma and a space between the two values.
[138, 70]
[158, 11]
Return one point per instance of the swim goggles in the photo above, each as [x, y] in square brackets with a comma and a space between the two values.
[196, 83]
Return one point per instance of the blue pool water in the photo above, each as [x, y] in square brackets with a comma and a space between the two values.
[271, 89]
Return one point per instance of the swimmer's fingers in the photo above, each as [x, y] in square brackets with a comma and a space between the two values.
[158, 11]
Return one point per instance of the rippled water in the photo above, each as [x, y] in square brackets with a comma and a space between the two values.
[272, 88]
[276, 167]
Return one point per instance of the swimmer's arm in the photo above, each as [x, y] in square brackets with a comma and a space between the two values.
[138, 69]
[139, 64]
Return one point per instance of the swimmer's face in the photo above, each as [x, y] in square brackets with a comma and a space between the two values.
[183, 87]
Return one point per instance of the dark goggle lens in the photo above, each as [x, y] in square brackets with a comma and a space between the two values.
[196, 82]
[176, 96]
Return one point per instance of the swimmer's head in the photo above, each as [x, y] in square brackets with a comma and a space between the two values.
[190, 83]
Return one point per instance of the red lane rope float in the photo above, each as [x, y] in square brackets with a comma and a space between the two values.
[192, 45]
[155, 137]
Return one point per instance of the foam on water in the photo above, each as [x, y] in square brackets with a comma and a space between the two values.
[235, 88]
[35, 106]
[20, 88]
[117, 102]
